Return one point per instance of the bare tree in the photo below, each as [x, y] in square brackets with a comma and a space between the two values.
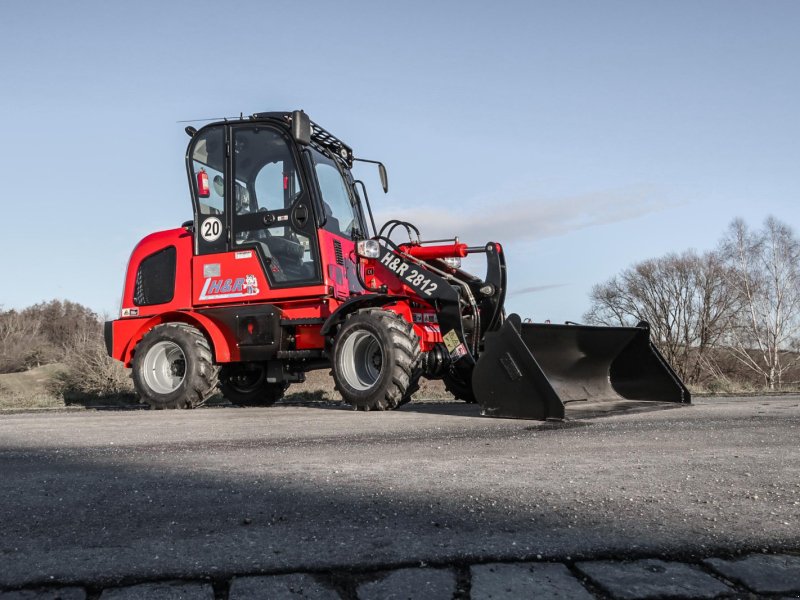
[764, 272]
[21, 342]
[683, 297]
[44, 333]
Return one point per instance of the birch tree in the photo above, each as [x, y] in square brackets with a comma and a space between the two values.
[764, 272]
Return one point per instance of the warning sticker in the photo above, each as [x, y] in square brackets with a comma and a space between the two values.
[451, 340]
[458, 352]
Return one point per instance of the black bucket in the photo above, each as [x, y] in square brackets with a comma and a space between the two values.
[531, 370]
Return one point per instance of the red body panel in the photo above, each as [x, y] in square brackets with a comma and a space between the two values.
[181, 300]
[335, 268]
[238, 278]
[308, 337]
[128, 332]
[423, 320]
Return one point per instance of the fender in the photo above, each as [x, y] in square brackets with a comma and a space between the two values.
[357, 303]
[223, 346]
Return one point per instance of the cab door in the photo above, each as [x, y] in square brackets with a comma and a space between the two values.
[206, 158]
[342, 224]
[268, 246]
[271, 207]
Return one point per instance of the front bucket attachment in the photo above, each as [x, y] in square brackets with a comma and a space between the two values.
[531, 370]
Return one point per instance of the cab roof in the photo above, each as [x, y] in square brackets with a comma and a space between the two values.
[321, 139]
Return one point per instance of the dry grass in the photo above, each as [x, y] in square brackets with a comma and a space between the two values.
[31, 389]
[48, 387]
[731, 387]
[91, 375]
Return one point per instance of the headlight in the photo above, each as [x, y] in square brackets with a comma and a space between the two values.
[368, 248]
[454, 262]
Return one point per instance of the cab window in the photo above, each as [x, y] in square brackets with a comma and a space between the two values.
[341, 216]
[271, 183]
[267, 188]
[206, 169]
[208, 157]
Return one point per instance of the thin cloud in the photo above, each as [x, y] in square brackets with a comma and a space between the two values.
[535, 288]
[527, 220]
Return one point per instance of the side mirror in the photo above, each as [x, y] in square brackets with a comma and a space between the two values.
[301, 128]
[381, 172]
[384, 178]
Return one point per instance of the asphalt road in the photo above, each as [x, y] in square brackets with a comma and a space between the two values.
[107, 497]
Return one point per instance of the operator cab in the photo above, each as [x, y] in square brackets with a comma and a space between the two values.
[259, 186]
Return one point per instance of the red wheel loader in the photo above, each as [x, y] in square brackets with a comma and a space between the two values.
[282, 270]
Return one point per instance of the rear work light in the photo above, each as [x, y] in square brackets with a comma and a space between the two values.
[454, 262]
[368, 248]
[202, 184]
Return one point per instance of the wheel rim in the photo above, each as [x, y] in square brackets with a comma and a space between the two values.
[164, 367]
[362, 360]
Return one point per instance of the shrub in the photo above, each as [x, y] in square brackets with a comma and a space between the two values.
[90, 372]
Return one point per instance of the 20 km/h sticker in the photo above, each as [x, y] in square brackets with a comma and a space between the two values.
[211, 229]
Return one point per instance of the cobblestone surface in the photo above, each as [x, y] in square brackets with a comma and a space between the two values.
[652, 579]
[280, 587]
[161, 591]
[403, 584]
[768, 574]
[762, 573]
[526, 580]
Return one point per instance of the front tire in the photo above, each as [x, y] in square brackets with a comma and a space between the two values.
[245, 384]
[413, 386]
[374, 357]
[173, 368]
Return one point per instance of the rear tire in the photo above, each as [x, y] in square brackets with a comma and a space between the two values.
[245, 384]
[173, 368]
[374, 358]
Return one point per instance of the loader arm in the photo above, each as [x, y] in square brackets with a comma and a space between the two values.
[437, 288]
[489, 293]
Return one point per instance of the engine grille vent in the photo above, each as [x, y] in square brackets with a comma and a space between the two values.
[155, 278]
[337, 248]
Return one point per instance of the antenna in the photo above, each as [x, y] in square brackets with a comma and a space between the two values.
[209, 119]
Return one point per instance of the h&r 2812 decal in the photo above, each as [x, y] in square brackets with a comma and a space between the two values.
[410, 275]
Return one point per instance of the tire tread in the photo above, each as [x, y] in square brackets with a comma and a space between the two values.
[407, 356]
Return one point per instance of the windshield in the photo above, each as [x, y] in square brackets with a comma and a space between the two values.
[341, 215]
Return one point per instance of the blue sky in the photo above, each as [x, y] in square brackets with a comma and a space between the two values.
[584, 136]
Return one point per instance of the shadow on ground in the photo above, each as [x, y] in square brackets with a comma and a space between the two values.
[372, 493]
